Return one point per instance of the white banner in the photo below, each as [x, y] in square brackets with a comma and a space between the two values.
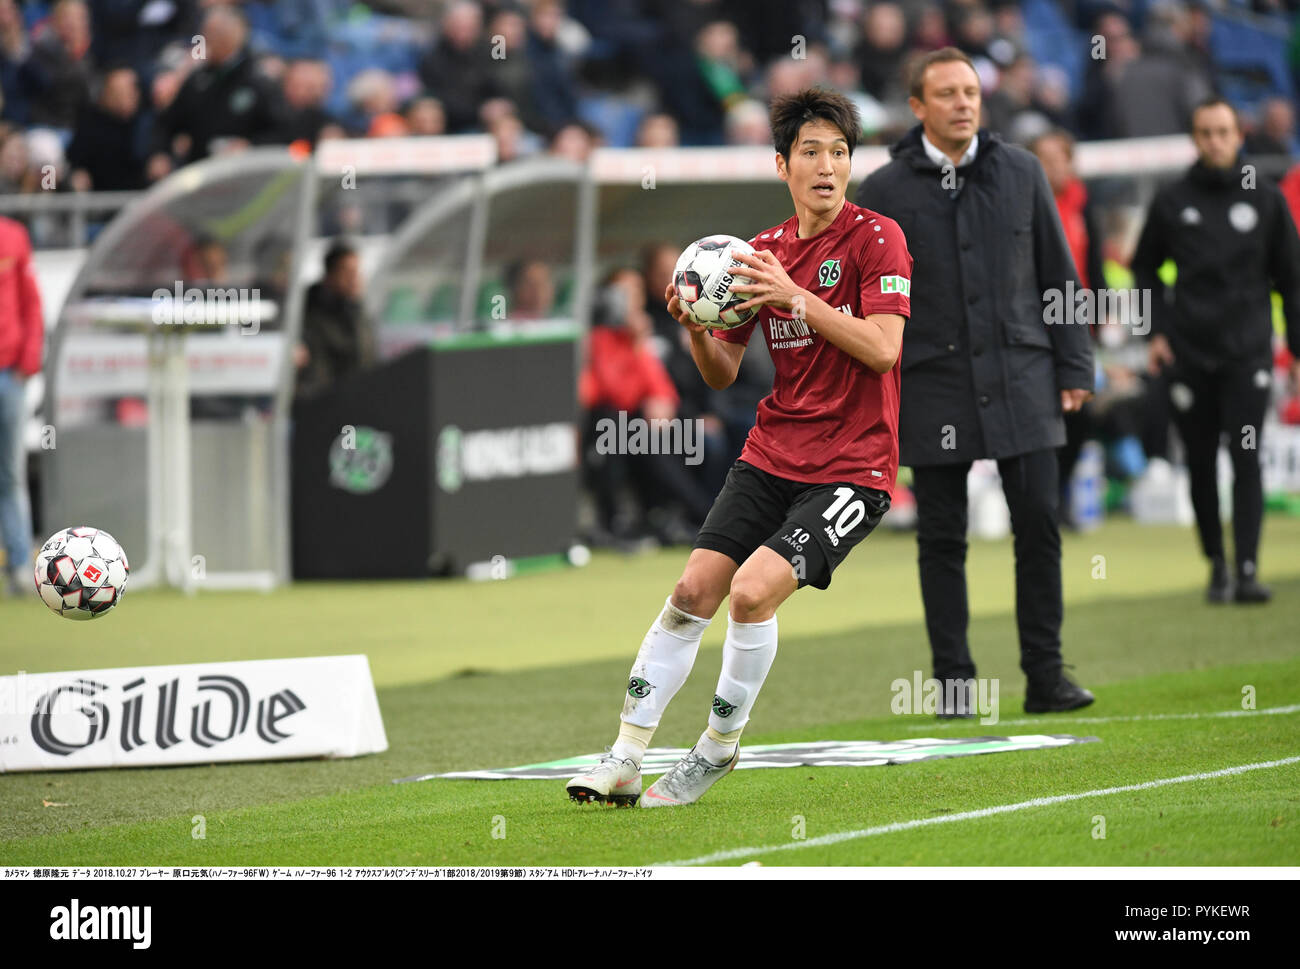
[117, 365]
[405, 155]
[203, 713]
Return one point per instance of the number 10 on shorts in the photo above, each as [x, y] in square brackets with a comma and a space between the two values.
[850, 513]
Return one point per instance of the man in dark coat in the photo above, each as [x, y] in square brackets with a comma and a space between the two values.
[226, 101]
[336, 337]
[55, 78]
[107, 153]
[458, 69]
[1233, 242]
[984, 375]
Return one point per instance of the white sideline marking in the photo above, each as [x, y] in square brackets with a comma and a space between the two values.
[830, 839]
[1293, 708]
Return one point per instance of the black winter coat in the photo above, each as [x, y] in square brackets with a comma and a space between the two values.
[232, 100]
[982, 372]
[1232, 245]
[110, 149]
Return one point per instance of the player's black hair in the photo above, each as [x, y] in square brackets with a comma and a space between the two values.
[1213, 101]
[944, 55]
[790, 112]
[337, 251]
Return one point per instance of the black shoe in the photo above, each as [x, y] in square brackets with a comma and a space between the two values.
[1220, 588]
[1056, 697]
[1249, 590]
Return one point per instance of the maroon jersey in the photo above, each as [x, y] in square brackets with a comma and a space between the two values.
[830, 417]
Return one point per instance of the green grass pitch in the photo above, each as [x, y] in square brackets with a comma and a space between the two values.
[530, 669]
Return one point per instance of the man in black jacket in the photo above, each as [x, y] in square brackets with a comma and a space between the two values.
[108, 145]
[226, 100]
[336, 336]
[983, 374]
[1233, 241]
[458, 69]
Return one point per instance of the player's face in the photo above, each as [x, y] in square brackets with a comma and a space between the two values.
[950, 104]
[1217, 137]
[818, 169]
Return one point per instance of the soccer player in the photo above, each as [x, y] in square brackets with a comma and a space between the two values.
[815, 476]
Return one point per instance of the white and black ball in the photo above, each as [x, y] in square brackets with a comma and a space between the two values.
[81, 572]
[702, 277]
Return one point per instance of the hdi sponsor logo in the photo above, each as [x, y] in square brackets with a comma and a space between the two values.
[100, 923]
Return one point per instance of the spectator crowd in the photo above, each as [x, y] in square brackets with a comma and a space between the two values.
[113, 94]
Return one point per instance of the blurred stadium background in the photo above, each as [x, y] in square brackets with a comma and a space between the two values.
[506, 176]
[489, 183]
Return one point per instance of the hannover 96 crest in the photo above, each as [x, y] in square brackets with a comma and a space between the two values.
[361, 460]
[829, 273]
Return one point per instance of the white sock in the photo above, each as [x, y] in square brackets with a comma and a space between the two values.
[632, 742]
[747, 655]
[717, 748]
[662, 664]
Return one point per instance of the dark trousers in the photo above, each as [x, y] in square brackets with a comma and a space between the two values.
[1030, 485]
[1206, 405]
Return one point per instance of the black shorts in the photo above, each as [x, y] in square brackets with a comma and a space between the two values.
[812, 526]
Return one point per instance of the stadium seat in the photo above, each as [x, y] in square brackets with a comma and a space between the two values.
[616, 118]
[488, 291]
[1051, 40]
[564, 292]
[444, 303]
[403, 306]
[1251, 59]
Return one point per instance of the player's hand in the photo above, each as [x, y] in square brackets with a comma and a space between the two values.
[769, 284]
[1072, 400]
[678, 312]
[1159, 355]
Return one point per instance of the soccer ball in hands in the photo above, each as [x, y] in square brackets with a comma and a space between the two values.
[702, 277]
[81, 573]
